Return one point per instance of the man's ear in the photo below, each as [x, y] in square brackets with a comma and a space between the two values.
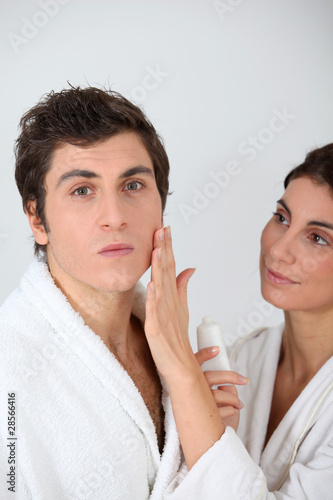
[36, 224]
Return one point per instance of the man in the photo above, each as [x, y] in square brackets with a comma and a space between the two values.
[83, 412]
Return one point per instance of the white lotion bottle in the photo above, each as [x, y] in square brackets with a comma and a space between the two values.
[209, 334]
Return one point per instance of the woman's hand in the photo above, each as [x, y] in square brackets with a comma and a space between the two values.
[196, 414]
[167, 317]
[226, 396]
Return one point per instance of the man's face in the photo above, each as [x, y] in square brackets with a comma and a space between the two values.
[102, 207]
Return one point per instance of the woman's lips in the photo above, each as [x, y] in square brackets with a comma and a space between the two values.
[278, 278]
[116, 250]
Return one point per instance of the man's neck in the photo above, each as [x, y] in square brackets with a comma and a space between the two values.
[108, 314]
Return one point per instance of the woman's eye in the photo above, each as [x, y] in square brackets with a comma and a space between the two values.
[82, 191]
[319, 239]
[279, 218]
[133, 186]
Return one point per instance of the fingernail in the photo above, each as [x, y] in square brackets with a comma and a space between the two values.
[159, 253]
[240, 405]
[244, 380]
[161, 234]
[152, 286]
[213, 349]
[168, 231]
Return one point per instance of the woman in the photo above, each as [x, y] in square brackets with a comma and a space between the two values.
[287, 422]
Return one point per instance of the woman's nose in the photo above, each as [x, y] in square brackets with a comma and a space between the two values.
[284, 248]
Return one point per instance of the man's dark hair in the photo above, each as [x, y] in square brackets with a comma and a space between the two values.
[82, 117]
[318, 165]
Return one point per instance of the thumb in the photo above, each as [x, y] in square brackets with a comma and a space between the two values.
[182, 282]
[206, 354]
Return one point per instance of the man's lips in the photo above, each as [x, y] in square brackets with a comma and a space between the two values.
[116, 250]
[279, 278]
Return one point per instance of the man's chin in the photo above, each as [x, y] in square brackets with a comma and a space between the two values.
[117, 286]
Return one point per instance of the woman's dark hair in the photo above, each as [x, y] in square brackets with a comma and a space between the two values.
[318, 165]
[82, 117]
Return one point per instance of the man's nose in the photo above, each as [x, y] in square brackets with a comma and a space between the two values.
[111, 212]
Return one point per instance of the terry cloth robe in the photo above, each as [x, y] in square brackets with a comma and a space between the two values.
[297, 462]
[82, 428]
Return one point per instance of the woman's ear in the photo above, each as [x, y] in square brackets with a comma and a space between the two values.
[36, 224]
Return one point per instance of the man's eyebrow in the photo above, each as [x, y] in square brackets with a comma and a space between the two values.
[137, 170]
[285, 206]
[318, 223]
[88, 174]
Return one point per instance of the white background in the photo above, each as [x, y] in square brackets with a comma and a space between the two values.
[211, 76]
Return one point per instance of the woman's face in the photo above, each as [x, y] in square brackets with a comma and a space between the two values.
[296, 261]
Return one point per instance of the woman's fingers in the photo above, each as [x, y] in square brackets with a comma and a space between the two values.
[228, 388]
[227, 411]
[163, 265]
[169, 256]
[156, 264]
[163, 272]
[206, 354]
[220, 377]
[181, 282]
[166, 324]
[227, 397]
[229, 416]
[229, 405]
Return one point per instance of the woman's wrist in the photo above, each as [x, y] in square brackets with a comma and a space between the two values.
[185, 371]
[196, 414]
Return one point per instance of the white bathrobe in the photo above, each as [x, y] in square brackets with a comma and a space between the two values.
[83, 430]
[297, 462]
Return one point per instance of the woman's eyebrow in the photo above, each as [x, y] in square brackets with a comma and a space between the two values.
[319, 223]
[285, 206]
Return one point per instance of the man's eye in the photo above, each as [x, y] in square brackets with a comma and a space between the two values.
[133, 186]
[82, 191]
